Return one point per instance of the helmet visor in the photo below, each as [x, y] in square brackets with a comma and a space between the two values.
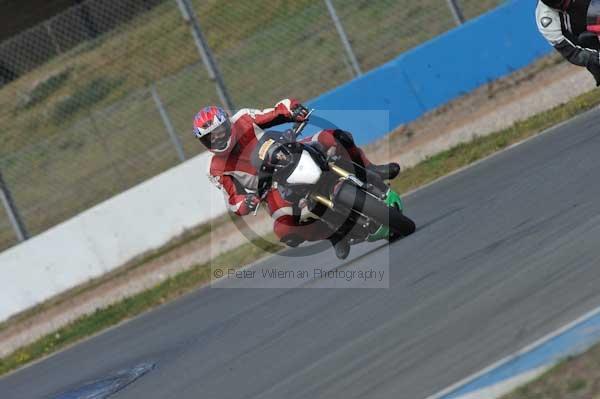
[218, 138]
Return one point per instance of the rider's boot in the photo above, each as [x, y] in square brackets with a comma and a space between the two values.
[386, 171]
[340, 245]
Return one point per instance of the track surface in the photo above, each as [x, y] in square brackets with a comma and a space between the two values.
[507, 251]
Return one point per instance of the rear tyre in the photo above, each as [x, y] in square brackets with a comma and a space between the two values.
[356, 199]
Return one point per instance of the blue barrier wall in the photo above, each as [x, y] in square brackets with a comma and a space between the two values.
[482, 50]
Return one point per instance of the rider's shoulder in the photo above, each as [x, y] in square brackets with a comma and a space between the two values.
[542, 10]
[244, 112]
[216, 165]
[549, 23]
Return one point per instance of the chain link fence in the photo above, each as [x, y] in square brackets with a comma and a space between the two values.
[101, 97]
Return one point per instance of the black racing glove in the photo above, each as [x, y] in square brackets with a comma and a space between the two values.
[251, 202]
[299, 113]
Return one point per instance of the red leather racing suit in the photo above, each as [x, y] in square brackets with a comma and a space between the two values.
[235, 175]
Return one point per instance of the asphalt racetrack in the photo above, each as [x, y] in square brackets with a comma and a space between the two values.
[506, 252]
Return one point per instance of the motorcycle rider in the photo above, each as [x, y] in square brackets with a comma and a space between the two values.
[232, 141]
[562, 22]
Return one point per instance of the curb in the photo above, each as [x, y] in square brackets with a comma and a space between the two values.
[529, 363]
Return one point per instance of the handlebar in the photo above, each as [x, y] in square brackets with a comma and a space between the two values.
[299, 127]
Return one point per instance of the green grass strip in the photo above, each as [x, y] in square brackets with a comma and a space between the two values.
[426, 171]
[577, 377]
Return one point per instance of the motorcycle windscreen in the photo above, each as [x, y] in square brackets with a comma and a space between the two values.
[306, 171]
[266, 145]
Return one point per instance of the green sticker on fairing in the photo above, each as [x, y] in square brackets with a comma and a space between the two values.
[392, 199]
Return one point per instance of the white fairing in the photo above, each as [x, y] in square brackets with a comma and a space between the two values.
[307, 171]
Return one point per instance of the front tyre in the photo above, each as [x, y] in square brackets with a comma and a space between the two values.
[356, 199]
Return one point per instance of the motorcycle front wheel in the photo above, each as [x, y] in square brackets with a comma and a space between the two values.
[359, 201]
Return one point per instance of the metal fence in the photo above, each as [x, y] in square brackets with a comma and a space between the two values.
[101, 97]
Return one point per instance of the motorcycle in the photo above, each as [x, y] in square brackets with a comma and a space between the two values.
[323, 185]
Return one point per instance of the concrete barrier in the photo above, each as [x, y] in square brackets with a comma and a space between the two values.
[107, 235]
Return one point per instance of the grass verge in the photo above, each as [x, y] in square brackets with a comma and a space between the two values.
[574, 378]
[426, 171]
